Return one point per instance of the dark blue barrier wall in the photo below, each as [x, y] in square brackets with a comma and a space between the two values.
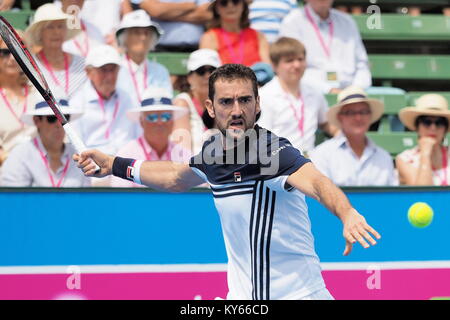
[104, 226]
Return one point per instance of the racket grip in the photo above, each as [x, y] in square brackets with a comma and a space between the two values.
[76, 141]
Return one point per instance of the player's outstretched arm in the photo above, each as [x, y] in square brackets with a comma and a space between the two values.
[310, 181]
[162, 175]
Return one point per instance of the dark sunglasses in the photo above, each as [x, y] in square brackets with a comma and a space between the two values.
[53, 119]
[205, 69]
[351, 113]
[4, 52]
[439, 122]
[154, 117]
[224, 3]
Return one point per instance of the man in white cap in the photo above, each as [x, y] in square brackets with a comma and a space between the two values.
[104, 124]
[350, 158]
[45, 160]
[138, 35]
[156, 116]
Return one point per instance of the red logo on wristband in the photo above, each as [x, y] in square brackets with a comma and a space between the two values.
[130, 171]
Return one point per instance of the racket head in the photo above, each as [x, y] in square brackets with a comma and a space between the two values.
[29, 66]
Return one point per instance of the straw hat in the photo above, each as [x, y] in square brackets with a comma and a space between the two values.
[350, 95]
[156, 99]
[47, 13]
[41, 108]
[431, 104]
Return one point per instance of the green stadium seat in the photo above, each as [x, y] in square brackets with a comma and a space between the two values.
[19, 19]
[175, 62]
[418, 67]
[404, 27]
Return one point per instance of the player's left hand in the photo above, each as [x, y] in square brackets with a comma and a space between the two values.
[356, 229]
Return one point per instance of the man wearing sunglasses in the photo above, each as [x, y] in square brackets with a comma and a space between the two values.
[44, 161]
[156, 117]
[251, 201]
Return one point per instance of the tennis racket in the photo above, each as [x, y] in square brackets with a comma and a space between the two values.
[32, 71]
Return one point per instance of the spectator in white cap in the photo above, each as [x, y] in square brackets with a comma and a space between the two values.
[46, 34]
[137, 36]
[104, 124]
[44, 161]
[90, 36]
[200, 65]
[426, 163]
[156, 116]
[351, 158]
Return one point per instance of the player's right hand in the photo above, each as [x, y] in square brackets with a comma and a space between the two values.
[87, 160]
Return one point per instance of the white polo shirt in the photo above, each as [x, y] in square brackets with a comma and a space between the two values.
[335, 159]
[105, 128]
[347, 55]
[25, 167]
[281, 113]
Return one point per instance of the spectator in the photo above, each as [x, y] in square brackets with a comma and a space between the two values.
[336, 54]
[201, 64]
[104, 124]
[350, 158]
[47, 34]
[45, 161]
[266, 16]
[15, 98]
[289, 107]
[182, 22]
[427, 163]
[89, 36]
[264, 72]
[156, 116]
[231, 36]
[137, 35]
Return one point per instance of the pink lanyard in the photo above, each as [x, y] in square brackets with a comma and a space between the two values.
[300, 119]
[116, 109]
[444, 166]
[52, 74]
[198, 107]
[326, 48]
[148, 155]
[8, 105]
[84, 52]
[49, 172]
[133, 76]
[226, 38]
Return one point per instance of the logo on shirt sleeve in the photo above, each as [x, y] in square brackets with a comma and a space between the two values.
[237, 177]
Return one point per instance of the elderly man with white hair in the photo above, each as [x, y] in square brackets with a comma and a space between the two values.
[137, 36]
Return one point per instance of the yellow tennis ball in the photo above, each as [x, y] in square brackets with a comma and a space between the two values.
[420, 214]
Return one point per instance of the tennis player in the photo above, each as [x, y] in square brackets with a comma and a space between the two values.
[259, 182]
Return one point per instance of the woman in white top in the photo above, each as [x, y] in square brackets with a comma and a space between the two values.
[427, 163]
[46, 36]
[201, 64]
[15, 93]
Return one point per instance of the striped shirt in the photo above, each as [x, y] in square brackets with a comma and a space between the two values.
[265, 222]
[266, 16]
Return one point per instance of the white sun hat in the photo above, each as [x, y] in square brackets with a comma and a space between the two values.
[203, 57]
[47, 13]
[101, 55]
[138, 19]
[156, 99]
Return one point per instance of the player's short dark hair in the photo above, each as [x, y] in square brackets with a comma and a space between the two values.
[231, 72]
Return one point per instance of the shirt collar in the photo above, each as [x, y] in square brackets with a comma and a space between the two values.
[64, 155]
[151, 151]
[318, 20]
[91, 93]
[342, 142]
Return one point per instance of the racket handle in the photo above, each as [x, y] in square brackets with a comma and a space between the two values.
[76, 141]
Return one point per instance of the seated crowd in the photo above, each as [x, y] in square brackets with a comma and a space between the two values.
[121, 102]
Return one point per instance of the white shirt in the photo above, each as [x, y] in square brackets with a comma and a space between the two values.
[104, 14]
[266, 227]
[25, 167]
[56, 79]
[348, 57]
[147, 74]
[88, 38]
[335, 159]
[108, 128]
[281, 113]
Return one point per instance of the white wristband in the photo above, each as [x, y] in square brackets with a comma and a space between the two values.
[137, 171]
